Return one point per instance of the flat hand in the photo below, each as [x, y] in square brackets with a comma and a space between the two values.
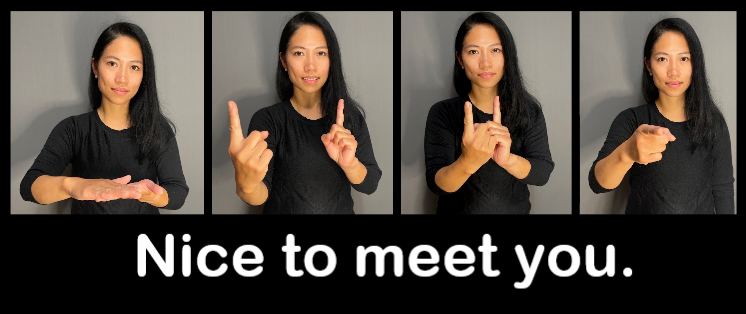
[148, 189]
[340, 144]
[103, 190]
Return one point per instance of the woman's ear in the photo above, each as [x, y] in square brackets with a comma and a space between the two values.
[458, 58]
[647, 65]
[93, 67]
[283, 62]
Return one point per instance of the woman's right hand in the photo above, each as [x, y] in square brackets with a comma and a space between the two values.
[647, 144]
[101, 190]
[477, 145]
[250, 155]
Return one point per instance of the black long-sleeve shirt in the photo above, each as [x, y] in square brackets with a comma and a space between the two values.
[682, 182]
[490, 190]
[99, 152]
[302, 178]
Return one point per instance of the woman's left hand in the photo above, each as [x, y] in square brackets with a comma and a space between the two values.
[339, 142]
[501, 156]
[151, 192]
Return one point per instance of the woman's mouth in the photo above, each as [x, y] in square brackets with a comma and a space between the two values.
[119, 91]
[674, 84]
[311, 79]
[486, 75]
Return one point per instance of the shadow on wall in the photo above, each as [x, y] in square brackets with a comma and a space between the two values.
[596, 125]
[247, 106]
[250, 104]
[84, 33]
[423, 95]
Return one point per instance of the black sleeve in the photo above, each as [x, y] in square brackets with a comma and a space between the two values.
[53, 158]
[536, 151]
[722, 176]
[621, 129]
[440, 149]
[263, 121]
[171, 176]
[364, 154]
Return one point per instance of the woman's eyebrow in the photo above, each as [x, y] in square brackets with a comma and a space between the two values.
[134, 61]
[301, 47]
[477, 46]
[664, 53]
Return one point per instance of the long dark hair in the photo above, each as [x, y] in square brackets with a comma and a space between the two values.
[517, 106]
[335, 87]
[703, 115]
[149, 126]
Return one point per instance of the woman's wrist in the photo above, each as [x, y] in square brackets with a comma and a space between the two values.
[356, 172]
[69, 183]
[463, 165]
[624, 155]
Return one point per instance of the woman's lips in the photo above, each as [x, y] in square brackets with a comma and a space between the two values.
[674, 84]
[311, 79]
[486, 75]
[119, 91]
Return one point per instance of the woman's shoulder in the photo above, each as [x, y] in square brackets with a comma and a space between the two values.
[641, 114]
[272, 110]
[79, 121]
[449, 106]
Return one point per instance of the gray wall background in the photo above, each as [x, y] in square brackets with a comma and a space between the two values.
[244, 60]
[544, 42]
[611, 45]
[50, 58]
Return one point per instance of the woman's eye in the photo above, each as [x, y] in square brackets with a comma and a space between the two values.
[685, 59]
[136, 68]
[661, 59]
[496, 50]
[111, 63]
[473, 52]
[322, 53]
[297, 53]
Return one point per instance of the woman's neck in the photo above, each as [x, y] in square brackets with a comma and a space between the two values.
[308, 105]
[114, 116]
[483, 98]
[671, 107]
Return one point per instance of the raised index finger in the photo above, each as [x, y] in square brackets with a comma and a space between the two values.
[496, 110]
[340, 112]
[235, 123]
[468, 118]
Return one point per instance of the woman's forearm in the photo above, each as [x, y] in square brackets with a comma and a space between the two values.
[451, 178]
[48, 189]
[611, 170]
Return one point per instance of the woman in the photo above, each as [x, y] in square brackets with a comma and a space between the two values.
[124, 155]
[481, 164]
[302, 155]
[695, 174]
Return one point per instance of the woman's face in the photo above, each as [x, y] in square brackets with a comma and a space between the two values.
[119, 71]
[482, 56]
[307, 59]
[670, 64]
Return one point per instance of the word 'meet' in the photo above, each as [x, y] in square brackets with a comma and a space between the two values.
[419, 265]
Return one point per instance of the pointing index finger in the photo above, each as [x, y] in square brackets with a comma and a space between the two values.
[496, 111]
[468, 118]
[340, 112]
[235, 123]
